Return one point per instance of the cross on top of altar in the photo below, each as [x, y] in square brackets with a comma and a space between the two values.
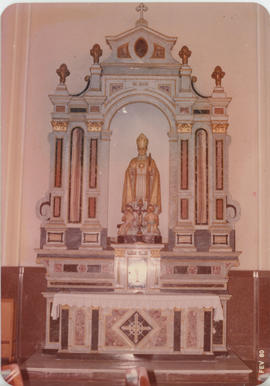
[141, 8]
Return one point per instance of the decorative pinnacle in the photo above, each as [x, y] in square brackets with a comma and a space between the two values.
[218, 74]
[96, 52]
[184, 54]
[141, 8]
[63, 73]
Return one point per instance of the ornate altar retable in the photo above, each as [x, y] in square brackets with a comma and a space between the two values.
[136, 293]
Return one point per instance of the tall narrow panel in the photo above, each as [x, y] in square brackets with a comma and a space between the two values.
[184, 164]
[93, 164]
[192, 329]
[64, 328]
[58, 163]
[177, 331]
[80, 327]
[219, 209]
[56, 206]
[76, 173]
[184, 209]
[53, 328]
[218, 332]
[92, 207]
[219, 164]
[201, 177]
[94, 340]
[207, 331]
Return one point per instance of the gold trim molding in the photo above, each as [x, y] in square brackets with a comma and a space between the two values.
[184, 127]
[119, 252]
[155, 252]
[220, 128]
[94, 126]
[59, 125]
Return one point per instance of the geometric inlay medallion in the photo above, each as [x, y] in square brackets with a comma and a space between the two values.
[136, 328]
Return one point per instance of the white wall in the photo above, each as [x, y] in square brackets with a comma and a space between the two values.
[37, 38]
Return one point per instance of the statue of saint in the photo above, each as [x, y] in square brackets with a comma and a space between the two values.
[142, 180]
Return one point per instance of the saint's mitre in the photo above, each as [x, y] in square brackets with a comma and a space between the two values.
[142, 141]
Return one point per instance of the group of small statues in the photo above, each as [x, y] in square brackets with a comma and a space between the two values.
[136, 224]
[141, 200]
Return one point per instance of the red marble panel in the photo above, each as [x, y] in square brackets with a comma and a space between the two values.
[219, 164]
[57, 206]
[93, 164]
[219, 110]
[92, 207]
[219, 209]
[58, 162]
[60, 109]
[160, 337]
[184, 110]
[216, 270]
[58, 267]
[94, 109]
[184, 164]
[112, 338]
[184, 209]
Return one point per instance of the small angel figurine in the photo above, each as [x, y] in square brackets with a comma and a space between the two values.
[128, 219]
[151, 220]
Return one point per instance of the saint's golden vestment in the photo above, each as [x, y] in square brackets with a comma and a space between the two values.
[142, 181]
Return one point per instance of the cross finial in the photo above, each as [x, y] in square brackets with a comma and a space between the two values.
[218, 74]
[184, 54]
[96, 52]
[63, 72]
[141, 8]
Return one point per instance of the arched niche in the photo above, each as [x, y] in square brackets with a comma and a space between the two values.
[164, 103]
[129, 121]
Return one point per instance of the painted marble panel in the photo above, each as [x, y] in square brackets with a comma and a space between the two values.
[112, 338]
[192, 326]
[160, 336]
[80, 317]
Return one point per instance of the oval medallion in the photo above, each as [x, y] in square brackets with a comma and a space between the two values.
[141, 47]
